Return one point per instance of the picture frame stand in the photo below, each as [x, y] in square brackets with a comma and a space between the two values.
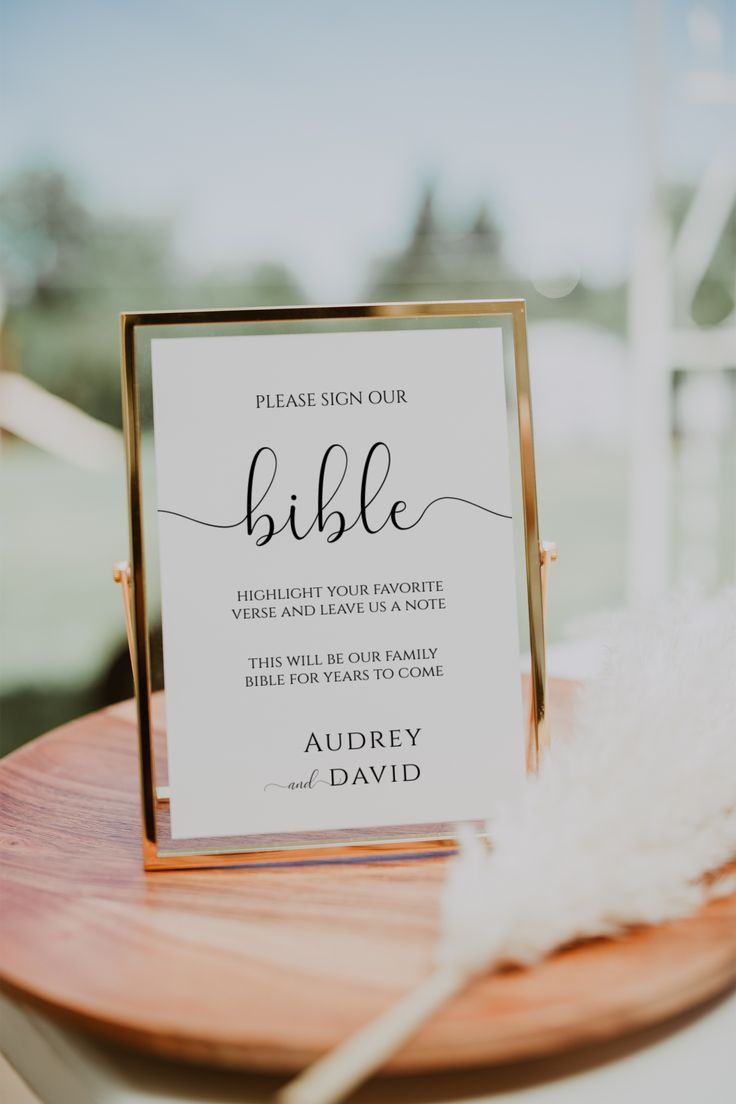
[193, 845]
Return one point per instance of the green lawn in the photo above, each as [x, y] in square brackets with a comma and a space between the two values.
[63, 530]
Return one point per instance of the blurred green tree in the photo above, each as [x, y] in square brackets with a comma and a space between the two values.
[715, 296]
[67, 272]
[446, 260]
[44, 231]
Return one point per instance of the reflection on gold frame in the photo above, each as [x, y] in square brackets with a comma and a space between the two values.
[130, 323]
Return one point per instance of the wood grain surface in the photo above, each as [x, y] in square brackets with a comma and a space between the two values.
[267, 968]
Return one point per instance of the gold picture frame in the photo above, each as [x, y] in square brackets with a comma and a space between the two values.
[132, 573]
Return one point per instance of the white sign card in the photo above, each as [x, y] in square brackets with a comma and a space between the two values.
[338, 580]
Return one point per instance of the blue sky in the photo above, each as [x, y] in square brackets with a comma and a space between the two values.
[303, 129]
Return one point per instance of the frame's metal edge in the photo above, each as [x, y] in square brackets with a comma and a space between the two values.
[141, 658]
[129, 321]
[538, 734]
[431, 309]
[304, 856]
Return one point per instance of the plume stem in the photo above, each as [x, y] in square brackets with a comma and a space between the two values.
[333, 1077]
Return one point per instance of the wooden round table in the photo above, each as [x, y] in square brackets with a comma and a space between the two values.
[267, 968]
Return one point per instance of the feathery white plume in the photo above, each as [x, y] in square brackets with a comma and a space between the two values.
[624, 819]
[618, 828]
